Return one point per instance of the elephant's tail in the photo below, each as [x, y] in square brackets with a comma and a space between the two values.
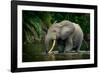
[86, 43]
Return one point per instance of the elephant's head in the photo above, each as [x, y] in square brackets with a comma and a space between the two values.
[60, 30]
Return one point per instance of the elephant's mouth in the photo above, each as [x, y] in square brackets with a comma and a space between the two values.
[53, 45]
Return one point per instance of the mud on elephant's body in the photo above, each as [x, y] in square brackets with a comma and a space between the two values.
[65, 33]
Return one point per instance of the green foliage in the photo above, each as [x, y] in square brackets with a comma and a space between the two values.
[31, 25]
[45, 17]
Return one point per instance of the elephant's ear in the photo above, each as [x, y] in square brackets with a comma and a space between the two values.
[55, 22]
[66, 31]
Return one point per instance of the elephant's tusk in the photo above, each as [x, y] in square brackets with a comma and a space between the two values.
[54, 41]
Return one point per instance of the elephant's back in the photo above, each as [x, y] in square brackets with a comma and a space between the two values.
[67, 23]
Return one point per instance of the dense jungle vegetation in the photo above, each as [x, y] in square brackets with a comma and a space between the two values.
[35, 25]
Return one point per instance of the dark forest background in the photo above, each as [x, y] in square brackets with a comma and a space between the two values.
[35, 25]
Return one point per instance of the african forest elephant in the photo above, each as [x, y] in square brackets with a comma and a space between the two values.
[67, 35]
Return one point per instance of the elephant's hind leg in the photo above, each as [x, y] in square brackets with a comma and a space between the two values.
[78, 46]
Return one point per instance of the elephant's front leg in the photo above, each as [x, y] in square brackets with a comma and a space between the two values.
[60, 44]
[60, 48]
[68, 45]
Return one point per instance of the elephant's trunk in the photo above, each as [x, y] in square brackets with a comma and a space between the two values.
[54, 41]
[46, 44]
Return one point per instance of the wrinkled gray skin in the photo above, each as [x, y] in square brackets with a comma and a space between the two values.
[68, 36]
